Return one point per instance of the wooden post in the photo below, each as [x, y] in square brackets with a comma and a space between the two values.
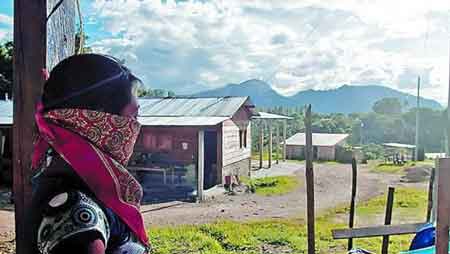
[448, 118]
[284, 139]
[2, 143]
[277, 142]
[309, 182]
[29, 60]
[430, 194]
[270, 143]
[353, 200]
[200, 164]
[416, 150]
[261, 144]
[387, 219]
[443, 206]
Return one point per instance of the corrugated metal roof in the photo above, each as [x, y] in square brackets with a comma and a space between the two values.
[318, 139]
[190, 111]
[398, 145]
[181, 120]
[265, 115]
[191, 106]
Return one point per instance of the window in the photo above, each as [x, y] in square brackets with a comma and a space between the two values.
[240, 139]
[245, 138]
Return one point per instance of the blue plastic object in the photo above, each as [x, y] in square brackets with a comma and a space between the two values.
[424, 238]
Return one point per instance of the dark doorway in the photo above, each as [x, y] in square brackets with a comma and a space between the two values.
[315, 152]
[210, 179]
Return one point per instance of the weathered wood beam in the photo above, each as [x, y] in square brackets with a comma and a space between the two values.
[200, 164]
[443, 206]
[387, 219]
[284, 139]
[351, 220]
[270, 143]
[277, 143]
[309, 172]
[29, 60]
[61, 31]
[376, 231]
[261, 143]
[430, 195]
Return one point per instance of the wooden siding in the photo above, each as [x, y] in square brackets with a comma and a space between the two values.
[169, 140]
[326, 153]
[232, 152]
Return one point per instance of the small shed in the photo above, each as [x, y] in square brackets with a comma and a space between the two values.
[398, 153]
[325, 145]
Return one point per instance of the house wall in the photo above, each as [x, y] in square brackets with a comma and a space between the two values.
[295, 152]
[326, 153]
[169, 140]
[236, 159]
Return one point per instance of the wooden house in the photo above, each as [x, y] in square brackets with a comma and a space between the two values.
[187, 144]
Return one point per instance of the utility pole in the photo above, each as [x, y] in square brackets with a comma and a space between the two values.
[416, 154]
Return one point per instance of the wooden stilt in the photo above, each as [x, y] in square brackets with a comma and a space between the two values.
[270, 143]
[261, 143]
[284, 139]
[309, 182]
[277, 143]
[200, 164]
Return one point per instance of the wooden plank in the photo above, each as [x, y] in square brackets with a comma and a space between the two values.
[443, 207]
[261, 143]
[29, 60]
[351, 219]
[388, 218]
[61, 32]
[270, 143]
[309, 182]
[284, 139]
[377, 231]
[430, 194]
[200, 164]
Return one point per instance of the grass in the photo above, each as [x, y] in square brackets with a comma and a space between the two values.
[288, 235]
[272, 186]
[255, 156]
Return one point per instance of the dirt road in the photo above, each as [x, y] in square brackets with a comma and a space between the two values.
[332, 188]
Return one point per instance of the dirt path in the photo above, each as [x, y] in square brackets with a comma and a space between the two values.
[332, 188]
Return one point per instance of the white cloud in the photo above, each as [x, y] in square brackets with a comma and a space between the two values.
[318, 44]
[6, 20]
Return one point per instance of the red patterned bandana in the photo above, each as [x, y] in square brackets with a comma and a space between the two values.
[97, 146]
[112, 134]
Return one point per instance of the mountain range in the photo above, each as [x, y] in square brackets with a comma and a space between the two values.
[345, 99]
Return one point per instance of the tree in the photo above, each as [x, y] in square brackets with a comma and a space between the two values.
[6, 69]
[387, 106]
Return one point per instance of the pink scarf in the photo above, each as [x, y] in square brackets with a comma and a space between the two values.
[97, 146]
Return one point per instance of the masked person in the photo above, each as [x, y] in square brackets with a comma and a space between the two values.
[84, 199]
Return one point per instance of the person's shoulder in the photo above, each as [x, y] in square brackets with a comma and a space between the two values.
[71, 215]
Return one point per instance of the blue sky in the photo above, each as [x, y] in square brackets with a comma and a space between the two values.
[188, 46]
